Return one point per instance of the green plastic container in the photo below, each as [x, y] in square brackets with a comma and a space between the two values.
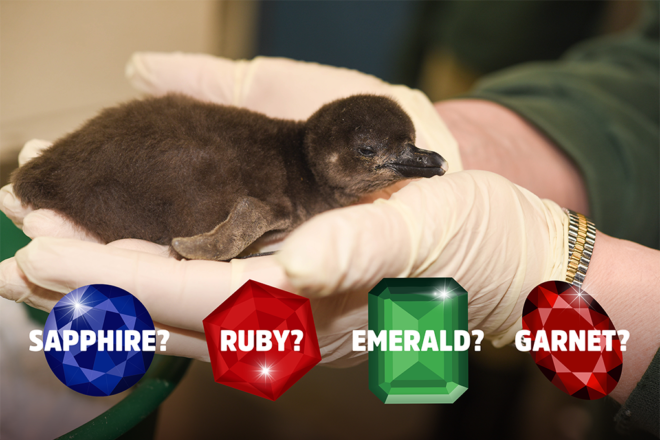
[136, 415]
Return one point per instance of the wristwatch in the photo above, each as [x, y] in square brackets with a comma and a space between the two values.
[581, 239]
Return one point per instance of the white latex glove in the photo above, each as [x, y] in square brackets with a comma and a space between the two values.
[179, 294]
[496, 239]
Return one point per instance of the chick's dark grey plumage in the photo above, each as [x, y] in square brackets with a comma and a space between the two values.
[209, 179]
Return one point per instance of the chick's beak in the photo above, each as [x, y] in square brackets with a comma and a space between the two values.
[415, 162]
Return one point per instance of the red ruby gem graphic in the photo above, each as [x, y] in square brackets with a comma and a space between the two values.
[556, 305]
[256, 306]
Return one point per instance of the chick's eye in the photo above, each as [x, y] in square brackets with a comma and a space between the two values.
[366, 152]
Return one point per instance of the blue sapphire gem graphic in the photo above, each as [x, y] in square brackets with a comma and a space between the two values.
[93, 372]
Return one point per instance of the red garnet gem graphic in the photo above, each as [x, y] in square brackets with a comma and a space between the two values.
[556, 305]
[256, 312]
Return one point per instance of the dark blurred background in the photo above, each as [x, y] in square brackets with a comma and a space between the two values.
[443, 48]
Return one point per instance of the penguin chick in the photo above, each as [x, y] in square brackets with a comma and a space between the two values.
[210, 179]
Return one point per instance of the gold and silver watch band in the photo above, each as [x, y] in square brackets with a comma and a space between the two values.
[581, 239]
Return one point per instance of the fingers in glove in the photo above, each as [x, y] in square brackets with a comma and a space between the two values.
[383, 193]
[15, 286]
[347, 249]
[290, 89]
[177, 293]
[48, 223]
[32, 149]
[133, 244]
[184, 343]
[335, 317]
[278, 87]
[12, 207]
[9, 203]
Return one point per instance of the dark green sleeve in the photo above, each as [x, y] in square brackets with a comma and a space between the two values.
[492, 35]
[601, 105]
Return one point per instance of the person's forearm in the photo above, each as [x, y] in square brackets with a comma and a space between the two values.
[624, 277]
[493, 138]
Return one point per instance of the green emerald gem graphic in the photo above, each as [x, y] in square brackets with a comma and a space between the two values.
[419, 304]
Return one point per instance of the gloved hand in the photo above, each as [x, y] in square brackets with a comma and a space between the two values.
[496, 239]
[179, 294]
